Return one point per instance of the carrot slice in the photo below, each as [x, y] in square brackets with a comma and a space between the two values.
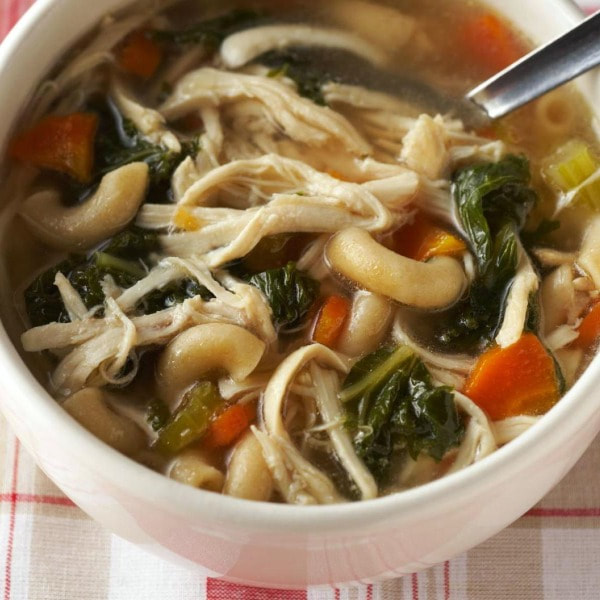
[589, 329]
[139, 55]
[60, 143]
[229, 425]
[423, 239]
[330, 320]
[517, 380]
[487, 40]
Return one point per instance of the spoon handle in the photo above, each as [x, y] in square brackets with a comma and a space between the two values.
[542, 70]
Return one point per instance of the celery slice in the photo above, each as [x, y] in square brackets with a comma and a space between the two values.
[191, 420]
[570, 167]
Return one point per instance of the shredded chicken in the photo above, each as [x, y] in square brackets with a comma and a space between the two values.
[149, 122]
[523, 286]
[244, 46]
[424, 147]
[326, 385]
[100, 347]
[299, 118]
[511, 428]
[479, 440]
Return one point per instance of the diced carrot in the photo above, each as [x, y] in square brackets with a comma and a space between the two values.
[589, 329]
[330, 320]
[184, 219]
[517, 380]
[60, 143]
[139, 55]
[423, 239]
[228, 426]
[488, 41]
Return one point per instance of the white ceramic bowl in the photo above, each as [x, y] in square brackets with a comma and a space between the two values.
[272, 544]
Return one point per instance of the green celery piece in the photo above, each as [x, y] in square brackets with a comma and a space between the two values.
[576, 163]
[157, 414]
[373, 370]
[191, 420]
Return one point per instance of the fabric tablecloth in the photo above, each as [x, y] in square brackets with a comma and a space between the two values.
[50, 550]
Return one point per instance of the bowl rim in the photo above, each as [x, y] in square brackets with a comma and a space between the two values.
[40, 408]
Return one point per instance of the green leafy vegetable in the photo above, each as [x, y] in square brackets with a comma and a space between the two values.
[42, 300]
[119, 143]
[490, 195]
[133, 243]
[212, 32]
[170, 295]
[393, 406]
[190, 422]
[493, 202]
[307, 77]
[289, 292]
[126, 258]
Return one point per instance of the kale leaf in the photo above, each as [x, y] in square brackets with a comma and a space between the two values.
[173, 293]
[133, 243]
[490, 195]
[126, 258]
[123, 257]
[308, 78]
[212, 32]
[289, 292]
[119, 143]
[393, 406]
[42, 299]
[493, 202]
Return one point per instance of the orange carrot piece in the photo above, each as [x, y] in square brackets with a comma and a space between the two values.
[139, 55]
[229, 425]
[487, 40]
[589, 329]
[520, 379]
[60, 143]
[330, 320]
[423, 239]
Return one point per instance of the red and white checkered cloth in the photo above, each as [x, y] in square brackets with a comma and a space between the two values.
[50, 550]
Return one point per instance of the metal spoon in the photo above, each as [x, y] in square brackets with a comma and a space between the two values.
[540, 71]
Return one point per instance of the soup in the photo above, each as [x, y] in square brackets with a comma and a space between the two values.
[254, 250]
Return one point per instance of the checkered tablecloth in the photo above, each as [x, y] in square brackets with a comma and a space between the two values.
[50, 550]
